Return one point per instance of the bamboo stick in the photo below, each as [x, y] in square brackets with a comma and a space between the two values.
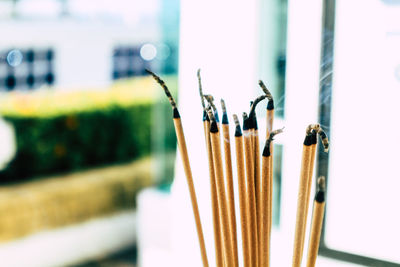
[316, 223]
[251, 198]
[186, 166]
[301, 202]
[219, 257]
[244, 209]
[265, 233]
[229, 181]
[222, 198]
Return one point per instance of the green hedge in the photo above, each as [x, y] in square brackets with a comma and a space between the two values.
[77, 136]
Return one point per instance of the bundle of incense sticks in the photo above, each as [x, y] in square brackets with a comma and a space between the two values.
[255, 183]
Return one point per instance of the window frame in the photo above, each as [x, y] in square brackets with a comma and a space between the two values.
[324, 114]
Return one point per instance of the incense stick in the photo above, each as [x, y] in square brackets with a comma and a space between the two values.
[269, 126]
[250, 191]
[244, 209]
[186, 166]
[313, 129]
[313, 133]
[222, 199]
[256, 170]
[270, 107]
[210, 100]
[264, 212]
[219, 257]
[301, 201]
[229, 180]
[304, 188]
[316, 224]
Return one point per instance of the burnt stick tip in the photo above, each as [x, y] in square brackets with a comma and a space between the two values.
[273, 133]
[267, 147]
[210, 100]
[254, 104]
[324, 139]
[223, 106]
[210, 113]
[312, 127]
[321, 183]
[164, 86]
[265, 90]
[200, 89]
[320, 195]
[236, 120]
[238, 130]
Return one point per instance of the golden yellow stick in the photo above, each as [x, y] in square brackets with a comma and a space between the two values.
[301, 202]
[265, 233]
[256, 162]
[269, 127]
[244, 209]
[304, 188]
[316, 223]
[310, 175]
[270, 107]
[264, 209]
[229, 181]
[219, 257]
[186, 167]
[313, 129]
[222, 199]
[251, 197]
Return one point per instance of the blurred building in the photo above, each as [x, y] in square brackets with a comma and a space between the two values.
[85, 43]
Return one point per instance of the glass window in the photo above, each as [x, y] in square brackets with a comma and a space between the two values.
[362, 221]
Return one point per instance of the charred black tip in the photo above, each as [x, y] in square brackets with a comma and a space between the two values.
[214, 127]
[308, 140]
[246, 123]
[176, 113]
[225, 118]
[267, 150]
[320, 196]
[313, 137]
[270, 105]
[216, 116]
[238, 131]
[205, 117]
[255, 124]
[251, 122]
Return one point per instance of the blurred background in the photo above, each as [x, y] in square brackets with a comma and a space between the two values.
[89, 173]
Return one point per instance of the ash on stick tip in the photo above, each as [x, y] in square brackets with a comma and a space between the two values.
[273, 133]
[254, 104]
[311, 127]
[164, 86]
[200, 89]
[267, 147]
[321, 184]
[236, 120]
[324, 139]
[265, 90]
[320, 195]
[246, 122]
[210, 113]
[223, 106]
[210, 100]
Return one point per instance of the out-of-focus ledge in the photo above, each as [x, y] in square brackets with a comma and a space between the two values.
[73, 198]
[95, 239]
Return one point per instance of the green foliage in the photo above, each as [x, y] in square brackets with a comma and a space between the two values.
[71, 139]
